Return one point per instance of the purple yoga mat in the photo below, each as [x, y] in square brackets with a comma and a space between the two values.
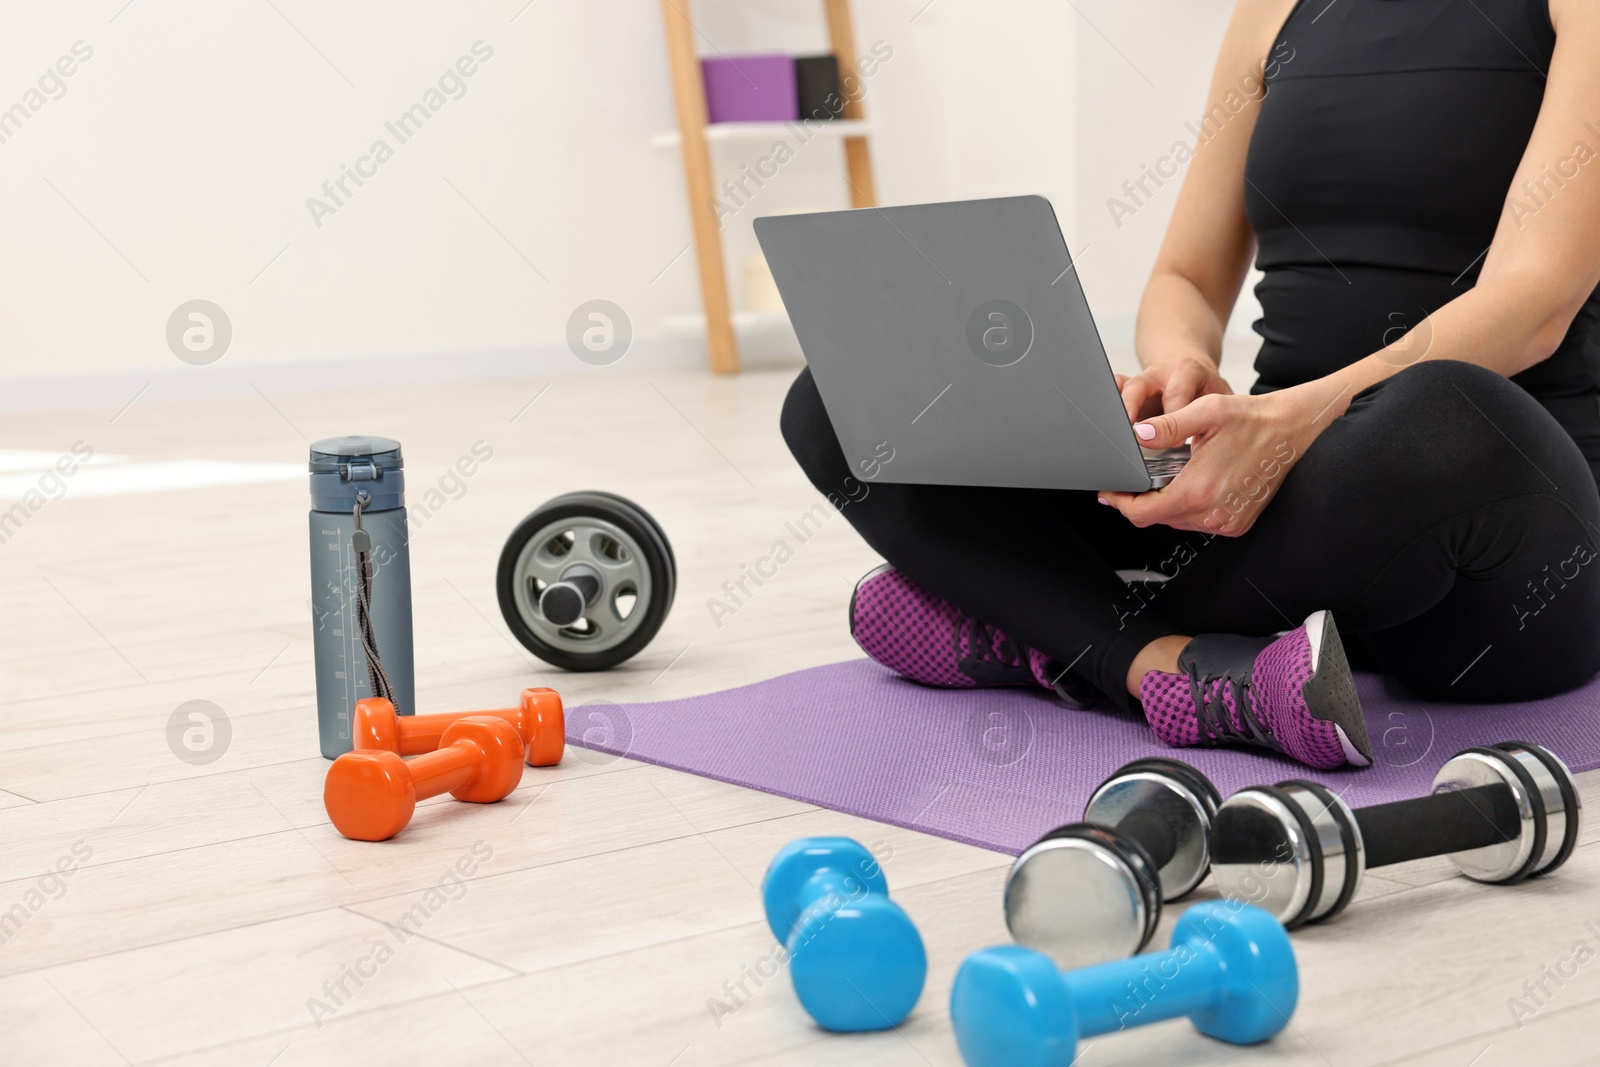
[998, 767]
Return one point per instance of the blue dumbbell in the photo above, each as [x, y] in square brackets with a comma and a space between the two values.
[1230, 970]
[855, 958]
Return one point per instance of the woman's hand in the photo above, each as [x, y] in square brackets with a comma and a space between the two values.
[1243, 447]
[1168, 385]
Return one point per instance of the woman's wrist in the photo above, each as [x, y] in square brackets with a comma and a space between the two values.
[1305, 410]
[1296, 413]
[1151, 356]
[1331, 394]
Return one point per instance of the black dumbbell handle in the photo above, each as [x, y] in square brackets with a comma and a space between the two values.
[1151, 831]
[1438, 824]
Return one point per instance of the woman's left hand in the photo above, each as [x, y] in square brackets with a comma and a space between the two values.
[1242, 449]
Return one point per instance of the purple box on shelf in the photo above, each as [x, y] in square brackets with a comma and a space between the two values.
[750, 89]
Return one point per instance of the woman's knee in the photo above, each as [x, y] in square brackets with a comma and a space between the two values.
[1465, 424]
[809, 433]
[1425, 393]
[804, 420]
[1429, 375]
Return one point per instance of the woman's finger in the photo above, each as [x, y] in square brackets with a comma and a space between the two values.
[1173, 428]
[1145, 509]
[1183, 386]
[1136, 391]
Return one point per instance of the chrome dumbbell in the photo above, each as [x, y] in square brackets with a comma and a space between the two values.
[1092, 891]
[1500, 814]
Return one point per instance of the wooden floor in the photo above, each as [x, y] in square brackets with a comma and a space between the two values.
[214, 917]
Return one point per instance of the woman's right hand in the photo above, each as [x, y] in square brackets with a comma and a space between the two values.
[1168, 385]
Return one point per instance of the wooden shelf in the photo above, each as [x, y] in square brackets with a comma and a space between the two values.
[694, 137]
[765, 132]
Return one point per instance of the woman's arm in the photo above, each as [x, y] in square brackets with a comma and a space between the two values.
[1541, 266]
[1208, 244]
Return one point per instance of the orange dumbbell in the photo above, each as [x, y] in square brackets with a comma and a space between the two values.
[370, 795]
[538, 719]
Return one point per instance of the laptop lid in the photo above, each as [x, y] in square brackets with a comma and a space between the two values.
[955, 337]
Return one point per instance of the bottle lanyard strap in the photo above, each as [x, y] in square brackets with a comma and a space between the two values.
[361, 541]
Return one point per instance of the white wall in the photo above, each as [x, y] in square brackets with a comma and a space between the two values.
[179, 162]
[194, 137]
[1142, 71]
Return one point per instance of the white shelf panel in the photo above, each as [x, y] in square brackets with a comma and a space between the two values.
[764, 132]
[745, 323]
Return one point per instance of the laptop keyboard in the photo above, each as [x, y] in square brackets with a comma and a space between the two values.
[1168, 463]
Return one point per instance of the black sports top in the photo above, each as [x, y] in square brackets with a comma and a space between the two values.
[1378, 169]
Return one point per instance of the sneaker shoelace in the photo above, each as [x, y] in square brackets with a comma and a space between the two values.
[1212, 718]
[982, 646]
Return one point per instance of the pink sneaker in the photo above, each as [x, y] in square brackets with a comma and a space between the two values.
[927, 639]
[1292, 693]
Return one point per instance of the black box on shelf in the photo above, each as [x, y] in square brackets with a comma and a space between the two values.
[817, 84]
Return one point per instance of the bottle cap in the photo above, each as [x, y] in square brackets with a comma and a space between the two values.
[345, 468]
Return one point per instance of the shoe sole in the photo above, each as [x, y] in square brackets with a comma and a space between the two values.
[1330, 692]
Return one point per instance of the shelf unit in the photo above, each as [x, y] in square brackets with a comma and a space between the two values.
[694, 138]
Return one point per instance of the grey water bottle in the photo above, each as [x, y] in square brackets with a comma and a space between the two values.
[360, 581]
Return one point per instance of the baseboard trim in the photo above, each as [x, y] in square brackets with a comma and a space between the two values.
[116, 388]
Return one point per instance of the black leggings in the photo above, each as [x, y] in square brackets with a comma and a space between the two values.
[1446, 520]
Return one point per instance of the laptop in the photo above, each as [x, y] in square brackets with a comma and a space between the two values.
[955, 340]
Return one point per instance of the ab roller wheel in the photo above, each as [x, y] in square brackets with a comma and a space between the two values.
[586, 581]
